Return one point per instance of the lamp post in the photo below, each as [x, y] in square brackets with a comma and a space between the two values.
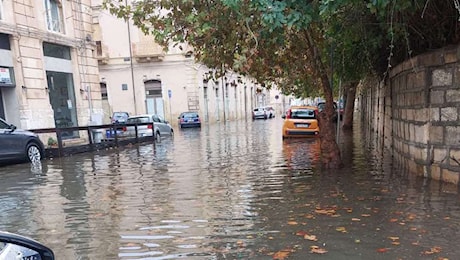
[131, 62]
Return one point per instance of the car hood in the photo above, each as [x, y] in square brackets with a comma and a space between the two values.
[24, 132]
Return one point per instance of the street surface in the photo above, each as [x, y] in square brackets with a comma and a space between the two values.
[231, 191]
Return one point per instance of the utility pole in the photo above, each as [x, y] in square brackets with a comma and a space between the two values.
[131, 62]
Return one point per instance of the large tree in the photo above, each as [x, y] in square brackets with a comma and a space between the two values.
[299, 46]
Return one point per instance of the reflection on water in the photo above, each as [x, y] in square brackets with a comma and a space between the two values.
[231, 191]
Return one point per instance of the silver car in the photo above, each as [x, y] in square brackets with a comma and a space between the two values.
[161, 127]
[259, 113]
[19, 145]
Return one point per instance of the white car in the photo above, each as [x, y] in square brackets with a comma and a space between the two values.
[161, 127]
[259, 112]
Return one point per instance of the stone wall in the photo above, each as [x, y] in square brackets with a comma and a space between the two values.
[416, 112]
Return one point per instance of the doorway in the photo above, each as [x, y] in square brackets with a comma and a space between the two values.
[154, 98]
[62, 98]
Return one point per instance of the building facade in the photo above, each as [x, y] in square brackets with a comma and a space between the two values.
[48, 72]
[137, 76]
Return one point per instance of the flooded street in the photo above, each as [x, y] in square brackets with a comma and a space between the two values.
[231, 191]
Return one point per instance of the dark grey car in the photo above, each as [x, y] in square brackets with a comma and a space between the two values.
[19, 145]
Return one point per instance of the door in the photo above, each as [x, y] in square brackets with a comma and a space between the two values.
[154, 97]
[10, 143]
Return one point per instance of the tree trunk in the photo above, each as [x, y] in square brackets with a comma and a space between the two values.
[330, 152]
[349, 106]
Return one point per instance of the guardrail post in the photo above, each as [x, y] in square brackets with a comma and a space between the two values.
[59, 140]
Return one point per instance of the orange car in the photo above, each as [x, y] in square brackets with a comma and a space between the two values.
[301, 121]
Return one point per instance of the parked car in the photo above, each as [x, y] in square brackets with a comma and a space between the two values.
[322, 106]
[270, 111]
[189, 119]
[19, 145]
[161, 126]
[301, 121]
[259, 113]
[119, 117]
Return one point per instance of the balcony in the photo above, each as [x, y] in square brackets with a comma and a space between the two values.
[147, 51]
[102, 53]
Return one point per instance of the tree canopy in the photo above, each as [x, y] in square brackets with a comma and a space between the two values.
[267, 39]
[302, 47]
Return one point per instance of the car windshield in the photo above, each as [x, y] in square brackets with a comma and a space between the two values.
[137, 120]
[303, 113]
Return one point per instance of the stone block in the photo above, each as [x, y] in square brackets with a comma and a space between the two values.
[453, 95]
[431, 59]
[450, 176]
[36, 73]
[452, 135]
[454, 157]
[436, 134]
[421, 134]
[437, 97]
[435, 114]
[28, 62]
[440, 155]
[435, 172]
[450, 56]
[441, 77]
[449, 114]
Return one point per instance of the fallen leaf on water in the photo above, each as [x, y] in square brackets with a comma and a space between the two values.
[395, 243]
[310, 237]
[325, 211]
[413, 229]
[382, 250]
[394, 220]
[309, 216]
[301, 233]
[281, 255]
[365, 215]
[355, 219]
[433, 250]
[446, 218]
[317, 250]
[341, 229]
[393, 238]
[292, 223]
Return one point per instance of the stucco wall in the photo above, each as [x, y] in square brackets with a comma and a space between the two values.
[415, 112]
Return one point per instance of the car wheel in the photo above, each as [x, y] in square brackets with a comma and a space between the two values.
[157, 137]
[33, 152]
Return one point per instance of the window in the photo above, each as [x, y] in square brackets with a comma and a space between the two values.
[56, 51]
[54, 15]
[104, 95]
[4, 40]
[99, 48]
[124, 86]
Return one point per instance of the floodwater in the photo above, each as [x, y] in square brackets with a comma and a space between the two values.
[231, 191]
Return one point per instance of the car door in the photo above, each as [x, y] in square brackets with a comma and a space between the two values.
[157, 124]
[11, 145]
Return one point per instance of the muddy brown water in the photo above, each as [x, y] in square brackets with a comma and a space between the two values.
[231, 191]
